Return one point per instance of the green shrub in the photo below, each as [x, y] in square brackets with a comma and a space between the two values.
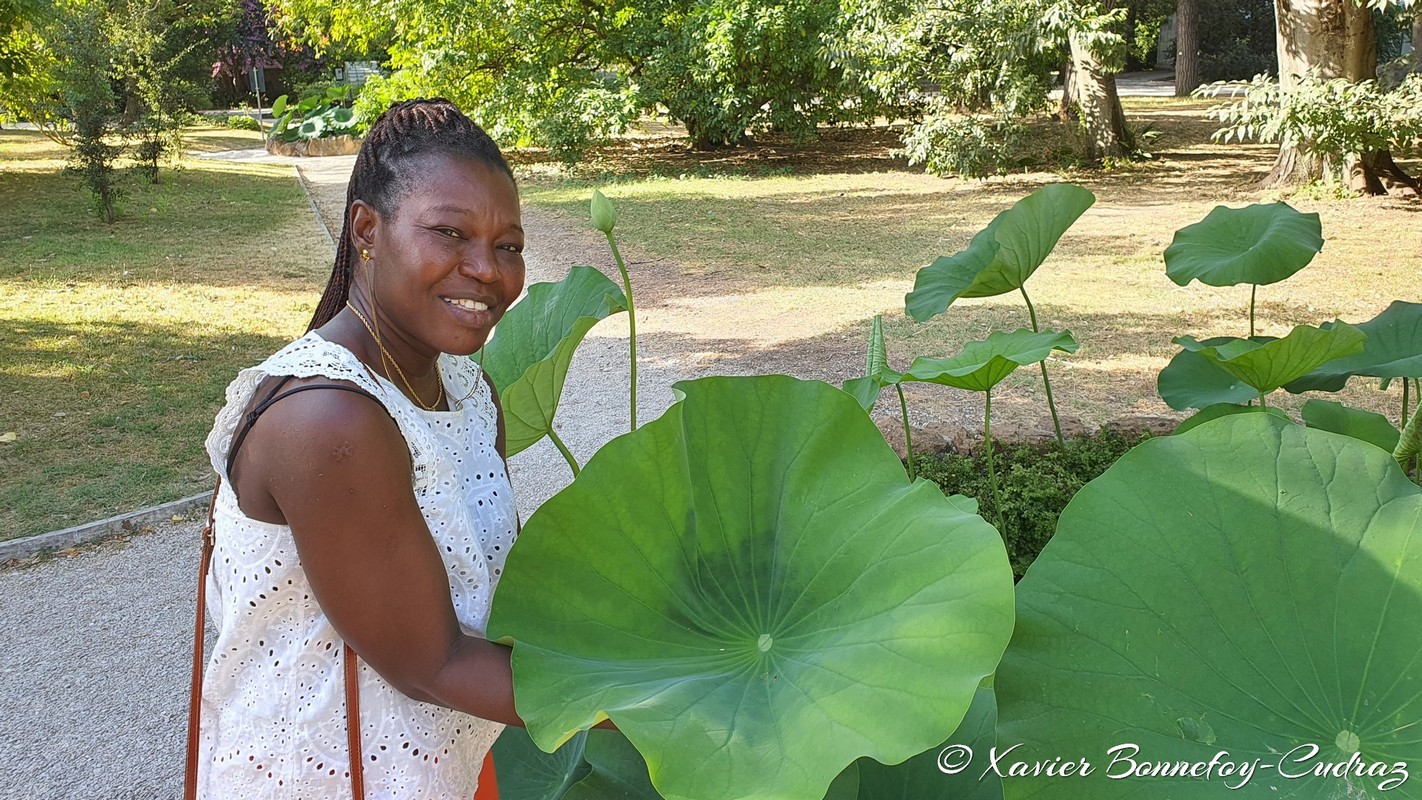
[243, 122]
[968, 146]
[1037, 482]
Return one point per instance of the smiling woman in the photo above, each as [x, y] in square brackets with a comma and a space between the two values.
[359, 531]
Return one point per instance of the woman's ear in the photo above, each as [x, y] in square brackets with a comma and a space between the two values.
[364, 225]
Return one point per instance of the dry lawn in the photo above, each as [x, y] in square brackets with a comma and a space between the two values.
[763, 260]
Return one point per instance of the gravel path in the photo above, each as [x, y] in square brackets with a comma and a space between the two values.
[95, 648]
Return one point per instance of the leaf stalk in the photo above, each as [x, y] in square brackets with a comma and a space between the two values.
[1046, 382]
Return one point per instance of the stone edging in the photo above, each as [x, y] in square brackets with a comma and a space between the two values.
[95, 531]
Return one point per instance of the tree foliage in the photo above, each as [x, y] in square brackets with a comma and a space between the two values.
[568, 74]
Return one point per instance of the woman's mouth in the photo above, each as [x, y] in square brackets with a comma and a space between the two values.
[472, 305]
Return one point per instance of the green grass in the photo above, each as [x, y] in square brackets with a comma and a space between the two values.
[116, 341]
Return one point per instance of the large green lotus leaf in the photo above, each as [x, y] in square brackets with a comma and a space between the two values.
[951, 770]
[753, 592]
[1268, 365]
[1192, 381]
[534, 343]
[1223, 410]
[877, 373]
[1252, 587]
[1393, 350]
[1355, 422]
[1002, 256]
[983, 364]
[1259, 244]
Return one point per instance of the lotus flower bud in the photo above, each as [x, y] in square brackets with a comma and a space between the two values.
[604, 216]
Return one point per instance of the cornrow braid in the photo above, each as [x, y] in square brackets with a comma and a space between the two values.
[384, 174]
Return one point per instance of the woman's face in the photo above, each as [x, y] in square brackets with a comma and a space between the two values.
[448, 262]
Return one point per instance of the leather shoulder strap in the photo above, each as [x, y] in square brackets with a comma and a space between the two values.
[195, 697]
[351, 678]
[353, 725]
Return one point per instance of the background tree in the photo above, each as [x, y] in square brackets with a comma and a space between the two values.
[1187, 47]
[568, 74]
[1326, 40]
[84, 74]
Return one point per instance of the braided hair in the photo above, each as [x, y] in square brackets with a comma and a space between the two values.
[385, 172]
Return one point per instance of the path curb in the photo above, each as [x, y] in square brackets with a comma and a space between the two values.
[105, 528]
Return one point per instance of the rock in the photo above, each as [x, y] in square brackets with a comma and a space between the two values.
[1011, 432]
[956, 438]
[925, 440]
[342, 145]
[1133, 426]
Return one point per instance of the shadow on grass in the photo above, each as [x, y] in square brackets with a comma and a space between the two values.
[109, 417]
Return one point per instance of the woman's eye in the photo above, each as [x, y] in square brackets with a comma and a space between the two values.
[513, 248]
[450, 232]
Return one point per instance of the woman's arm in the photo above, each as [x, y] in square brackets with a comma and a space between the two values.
[341, 477]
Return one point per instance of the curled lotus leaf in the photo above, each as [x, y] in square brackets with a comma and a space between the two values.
[1259, 244]
[1252, 586]
[534, 343]
[877, 373]
[1267, 365]
[1192, 381]
[1002, 256]
[983, 364]
[754, 593]
[1393, 349]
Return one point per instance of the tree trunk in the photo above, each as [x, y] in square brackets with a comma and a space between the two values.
[1187, 47]
[1417, 42]
[1102, 120]
[1067, 111]
[1335, 39]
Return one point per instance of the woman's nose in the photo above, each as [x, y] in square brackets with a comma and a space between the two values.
[479, 264]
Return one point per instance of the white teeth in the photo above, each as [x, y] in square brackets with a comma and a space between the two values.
[474, 305]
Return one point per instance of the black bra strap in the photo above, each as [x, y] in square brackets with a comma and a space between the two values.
[266, 403]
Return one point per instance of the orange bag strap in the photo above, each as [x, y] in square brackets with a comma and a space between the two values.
[195, 697]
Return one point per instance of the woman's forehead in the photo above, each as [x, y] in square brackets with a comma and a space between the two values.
[455, 182]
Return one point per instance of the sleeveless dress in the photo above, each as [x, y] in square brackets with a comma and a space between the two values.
[273, 700]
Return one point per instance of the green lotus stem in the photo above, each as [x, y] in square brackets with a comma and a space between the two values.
[631, 322]
[563, 448]
[1262, 403]
[908, 438]
[1252, 289]
[992, 474]
[1403, 418]
[1411, 442]
[1046, 383]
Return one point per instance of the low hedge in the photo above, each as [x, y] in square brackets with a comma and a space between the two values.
[1037, 482]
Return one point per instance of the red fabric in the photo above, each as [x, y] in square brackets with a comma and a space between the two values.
[488, 787]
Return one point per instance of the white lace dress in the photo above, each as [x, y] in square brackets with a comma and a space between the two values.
[273, 702]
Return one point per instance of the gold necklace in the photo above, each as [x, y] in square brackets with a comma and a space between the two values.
[385, 354]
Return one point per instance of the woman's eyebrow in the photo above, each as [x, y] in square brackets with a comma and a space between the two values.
[462, 210]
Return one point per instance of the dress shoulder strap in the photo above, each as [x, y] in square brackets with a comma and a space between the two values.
[312, 356]
[272, 397]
